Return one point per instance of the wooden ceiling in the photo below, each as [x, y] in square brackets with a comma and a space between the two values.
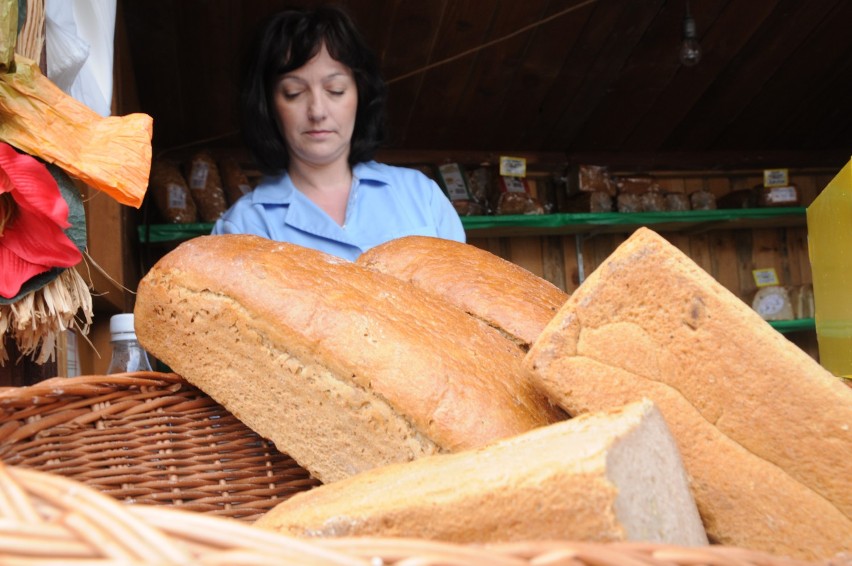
[579, 77]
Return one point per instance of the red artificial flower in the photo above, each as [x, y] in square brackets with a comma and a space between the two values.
[32, 239]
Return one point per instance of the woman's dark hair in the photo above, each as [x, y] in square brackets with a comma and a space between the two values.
[286, 42]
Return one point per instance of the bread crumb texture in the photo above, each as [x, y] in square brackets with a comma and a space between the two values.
[763, 429]
[594, 478]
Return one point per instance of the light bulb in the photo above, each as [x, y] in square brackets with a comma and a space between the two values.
[690, 50]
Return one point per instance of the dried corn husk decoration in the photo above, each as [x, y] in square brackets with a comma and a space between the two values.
[36, 320]
[111, 154]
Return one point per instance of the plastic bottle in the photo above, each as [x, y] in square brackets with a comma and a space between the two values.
[127, 353]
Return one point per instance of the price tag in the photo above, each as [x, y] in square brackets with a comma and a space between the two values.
[775, 177]
[765, 277]
[513, 166]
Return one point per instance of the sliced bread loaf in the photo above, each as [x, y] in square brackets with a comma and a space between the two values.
[616, 475]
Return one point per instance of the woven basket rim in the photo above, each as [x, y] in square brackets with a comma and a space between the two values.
[41, 510]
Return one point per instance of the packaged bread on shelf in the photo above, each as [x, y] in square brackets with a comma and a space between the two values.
[763, 429]
[513, 197]
[500, 293]
[773, 303]
[234, 180]
[676, 202]
[342, 367]
[802, 299]
[778, 196]
[589, 201]
[702, 199]
[596, 178]
[171, 193]
[610, 476]
[652, 201]
[740, 198]
[205, 186]
[454, 181]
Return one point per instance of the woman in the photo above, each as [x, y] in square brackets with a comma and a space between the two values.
[313, 116]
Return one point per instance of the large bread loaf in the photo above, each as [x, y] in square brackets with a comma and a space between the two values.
[603, 477]
[506, 296]
[764, 430]
[342, 367]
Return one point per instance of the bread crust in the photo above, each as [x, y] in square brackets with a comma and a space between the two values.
[612, 476]
[342, 367]
[501, 293]
[764, 429]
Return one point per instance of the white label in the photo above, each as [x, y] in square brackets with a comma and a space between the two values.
[454, 181]
[781, 194]
[770, 305]
[513, 166]
[198, 176]
[514, 185]
[244, 189]
[775, 178]
[765, 277]
[177, 196]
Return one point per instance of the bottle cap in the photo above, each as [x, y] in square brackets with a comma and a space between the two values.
[121, 327]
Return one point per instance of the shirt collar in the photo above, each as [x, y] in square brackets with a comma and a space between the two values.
[279, 189]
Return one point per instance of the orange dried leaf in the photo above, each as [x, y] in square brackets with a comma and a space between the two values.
[111, 154]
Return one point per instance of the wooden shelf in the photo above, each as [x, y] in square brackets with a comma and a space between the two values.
[693, 221]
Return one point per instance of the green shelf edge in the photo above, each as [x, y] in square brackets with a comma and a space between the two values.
[579, 222]
[784, 326]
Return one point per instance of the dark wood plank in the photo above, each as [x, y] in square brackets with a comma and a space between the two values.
[788, 91]
[540, 64]
[624, 30]
[727, 34]
[777, 38]
[413, 29]
[638, 83]
[496, 67]
[439, 109]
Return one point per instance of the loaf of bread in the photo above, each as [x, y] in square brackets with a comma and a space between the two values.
[234, 180]
[764, 430]
[773, 303]
[342, 367]
[171, 193]
[205, 186]
[486, 286]
[610, 476]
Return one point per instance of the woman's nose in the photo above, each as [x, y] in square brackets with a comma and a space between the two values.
[316, 109]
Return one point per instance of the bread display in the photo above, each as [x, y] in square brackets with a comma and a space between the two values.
[171, 193]
[764, 430]
[773, 303]
[486, 286]
[234, 180]
[610, 476]
[344, 368]
[205, 186]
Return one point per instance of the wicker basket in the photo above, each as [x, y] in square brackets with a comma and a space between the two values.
[47, 518]
[148, 438]
[75, 451]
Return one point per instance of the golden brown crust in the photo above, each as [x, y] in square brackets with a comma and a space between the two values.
[612, 476]
[501, 293]
[257, 310]
[764, 429]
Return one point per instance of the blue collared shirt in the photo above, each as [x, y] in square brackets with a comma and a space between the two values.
[385, 203]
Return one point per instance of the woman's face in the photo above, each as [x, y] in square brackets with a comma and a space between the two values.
[316, 106]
